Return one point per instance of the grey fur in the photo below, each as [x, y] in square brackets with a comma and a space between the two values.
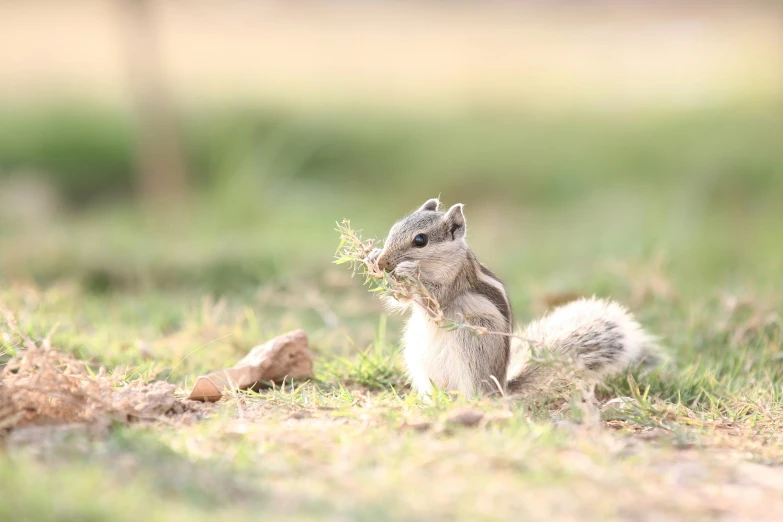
[498, 297]
[601, 335]
[430, 204]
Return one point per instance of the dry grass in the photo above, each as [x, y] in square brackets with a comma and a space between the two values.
[369, 451]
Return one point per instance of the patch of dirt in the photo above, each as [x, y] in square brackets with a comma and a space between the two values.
[41, 386]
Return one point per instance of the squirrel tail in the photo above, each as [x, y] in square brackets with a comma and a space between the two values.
[601, 338]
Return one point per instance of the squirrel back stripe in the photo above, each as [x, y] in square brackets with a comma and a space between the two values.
[492, 287]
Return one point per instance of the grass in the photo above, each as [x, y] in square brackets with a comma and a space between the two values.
[676, 216]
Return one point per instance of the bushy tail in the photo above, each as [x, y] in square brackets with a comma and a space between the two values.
[601, 338]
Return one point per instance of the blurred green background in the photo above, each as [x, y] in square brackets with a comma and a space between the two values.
[199, 150]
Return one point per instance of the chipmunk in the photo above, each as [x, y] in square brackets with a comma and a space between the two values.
[601, 336]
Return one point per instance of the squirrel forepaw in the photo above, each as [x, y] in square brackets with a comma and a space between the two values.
[373, 256]
[407, 269]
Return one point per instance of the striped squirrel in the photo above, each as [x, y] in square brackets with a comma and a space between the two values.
[601, 336]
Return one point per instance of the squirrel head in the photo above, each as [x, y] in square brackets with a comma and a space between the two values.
[432, 240]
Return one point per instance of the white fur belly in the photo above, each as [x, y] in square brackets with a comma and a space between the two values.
[430, 358]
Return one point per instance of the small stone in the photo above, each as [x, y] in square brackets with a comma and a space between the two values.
[416, 425]
[465, 417]
[205, 390]
[285, 357]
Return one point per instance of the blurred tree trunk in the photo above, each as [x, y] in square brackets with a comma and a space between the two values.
[162, 174]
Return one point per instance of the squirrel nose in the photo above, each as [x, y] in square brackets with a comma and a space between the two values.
[383, 264]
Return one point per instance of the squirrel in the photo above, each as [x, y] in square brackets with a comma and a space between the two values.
[600, 336]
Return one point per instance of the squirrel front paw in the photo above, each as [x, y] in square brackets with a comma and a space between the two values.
[407, 269]
[373, 256]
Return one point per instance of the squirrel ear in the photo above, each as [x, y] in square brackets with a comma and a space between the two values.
[456, 221]
[431, 204]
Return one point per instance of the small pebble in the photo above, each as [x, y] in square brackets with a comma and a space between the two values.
[465, 417]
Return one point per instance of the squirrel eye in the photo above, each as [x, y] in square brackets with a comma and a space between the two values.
[420, 241]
